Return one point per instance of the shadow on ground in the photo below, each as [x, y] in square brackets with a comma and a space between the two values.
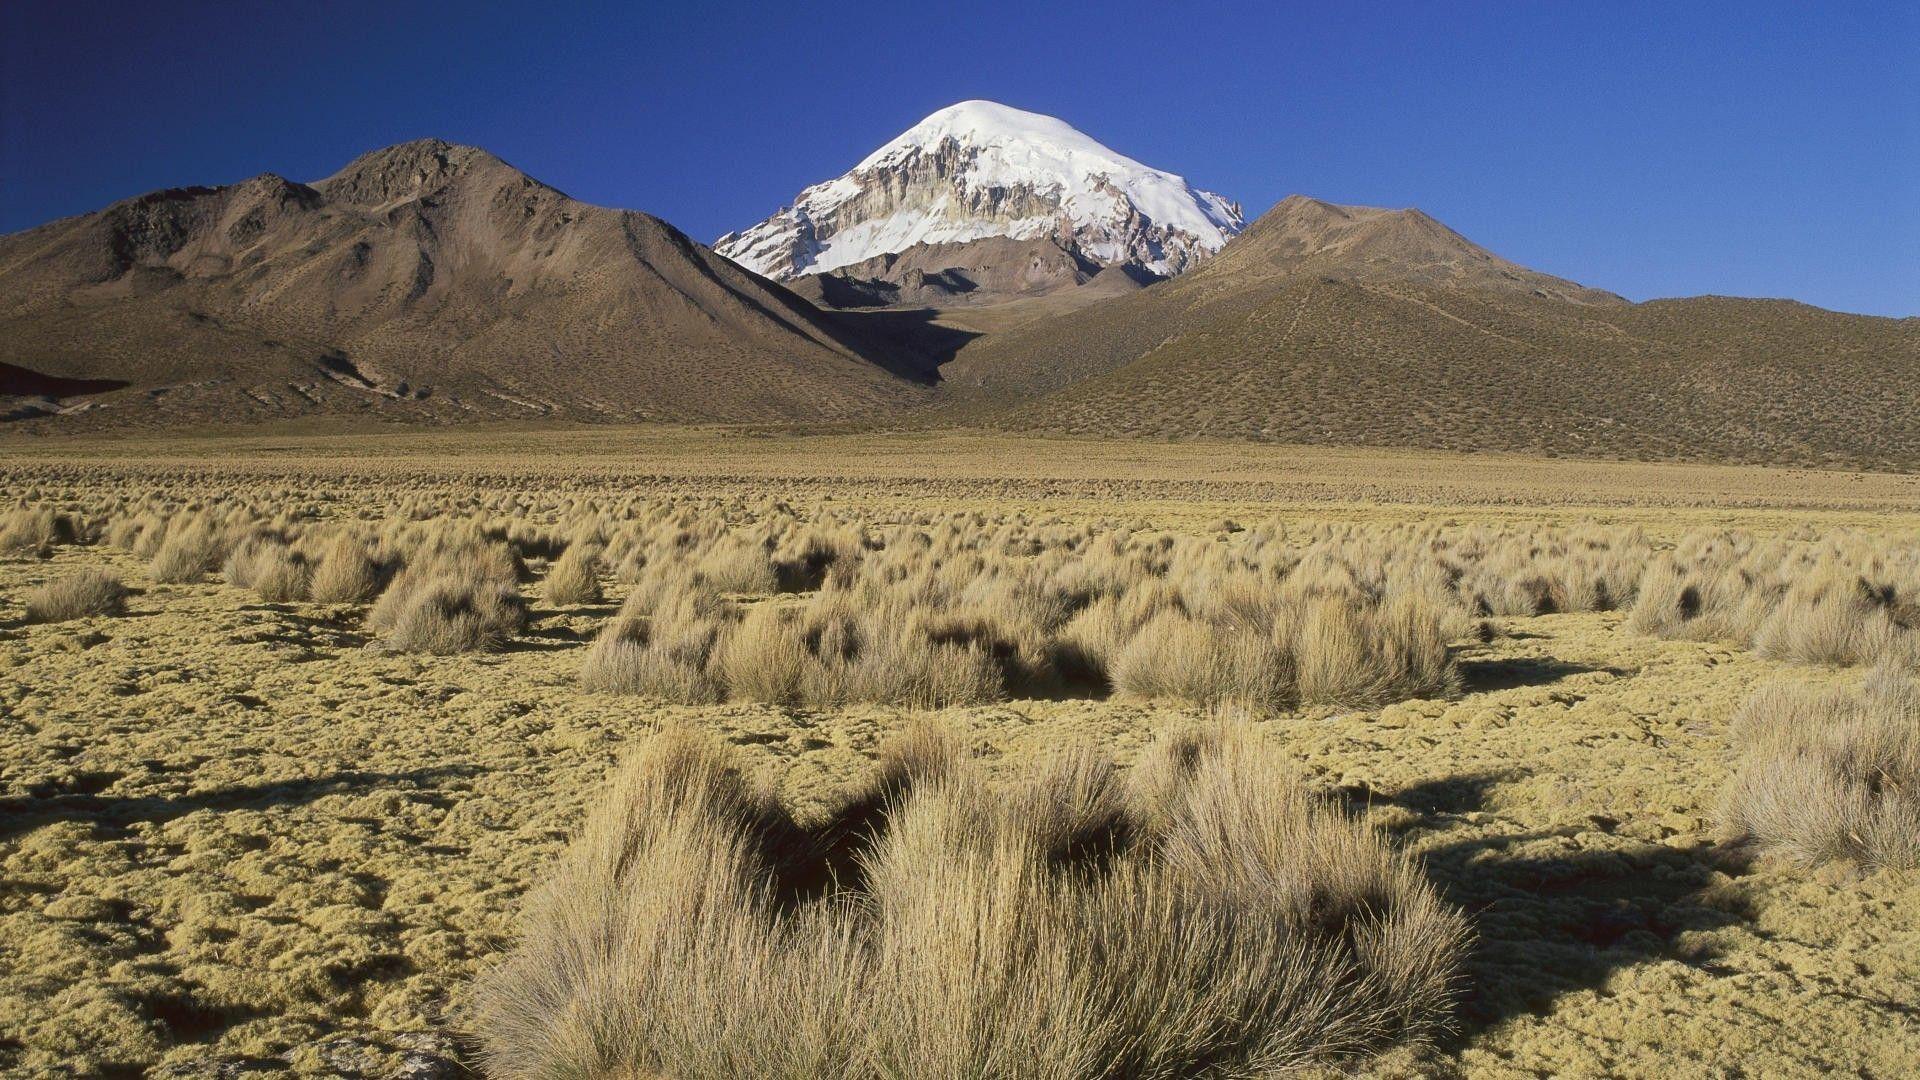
[1553, 915]
[1480, 676]
[81, 799]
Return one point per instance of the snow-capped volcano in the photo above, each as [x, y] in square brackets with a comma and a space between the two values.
[977, 170]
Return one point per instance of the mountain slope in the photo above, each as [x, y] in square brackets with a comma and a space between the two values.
[1345, 325]
[979, 170]
[423, 281]
[991, 270]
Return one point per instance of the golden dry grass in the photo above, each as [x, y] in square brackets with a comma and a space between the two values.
[1830, 772]
[235, 837]
[1216, 919]
[77, 596]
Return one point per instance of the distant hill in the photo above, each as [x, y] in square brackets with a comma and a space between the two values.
[423, 282]
[434, 283]
[1333, 324]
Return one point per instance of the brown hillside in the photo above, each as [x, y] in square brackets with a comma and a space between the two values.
[1328, 324]
[425, 281]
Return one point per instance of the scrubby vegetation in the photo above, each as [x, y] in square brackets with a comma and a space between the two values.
[1830, 772]
[35, 530]
[216, 779]
[1206, 915]
[453, 597]
[347, 572]
[77, 596]
[1841, 600]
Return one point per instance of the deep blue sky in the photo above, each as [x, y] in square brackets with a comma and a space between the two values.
[1654, 149]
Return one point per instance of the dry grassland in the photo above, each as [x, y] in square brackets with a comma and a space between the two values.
[711, 754]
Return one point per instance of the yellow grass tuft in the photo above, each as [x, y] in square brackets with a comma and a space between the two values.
[1215, 920]
[346, 573]
[77, 596]
[1830, 773]
[575, 577]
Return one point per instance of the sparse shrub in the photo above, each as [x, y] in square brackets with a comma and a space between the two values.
[733, 565]
[575, 578]
[270, 567]
[667, 655]
[189, 553]
[33, 531]
[447, 615]
[346, 573]
[1213, 919]
[90, 592]
[1830, 772]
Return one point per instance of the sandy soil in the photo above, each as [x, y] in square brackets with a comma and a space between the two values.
[233, 838]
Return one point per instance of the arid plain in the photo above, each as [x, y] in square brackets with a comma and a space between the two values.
[246, 827]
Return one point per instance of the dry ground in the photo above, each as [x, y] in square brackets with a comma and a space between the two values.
[232, 838]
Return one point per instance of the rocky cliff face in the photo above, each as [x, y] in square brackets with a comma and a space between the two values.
[978, 170]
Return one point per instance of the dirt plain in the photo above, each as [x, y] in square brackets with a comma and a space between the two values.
[235, 841]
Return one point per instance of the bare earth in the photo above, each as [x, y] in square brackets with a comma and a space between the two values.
[233, 837]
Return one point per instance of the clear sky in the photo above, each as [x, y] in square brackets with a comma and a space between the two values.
[1654, 149]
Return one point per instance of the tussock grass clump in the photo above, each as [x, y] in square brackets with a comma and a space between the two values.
[1842, 600]
[1323, 651]
[1347, 654]
[575, 578]
[34, 531]
[1834, 617]
[734, 565]
[838, 651]
[1193, 662]
[269, 566]
[1208, 918]
[347, 572]
[804, 560]
[459, 599]
[1829, 773]
[666, 655]
[90, 592]
[445, 615]
[191, 551]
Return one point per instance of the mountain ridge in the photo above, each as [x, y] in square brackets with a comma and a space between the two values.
[1452, 348]
[430, 282]
[451, 284]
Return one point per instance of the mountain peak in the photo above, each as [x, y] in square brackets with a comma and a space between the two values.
[1304, 235]
[407, 170]
[979, 169]
[989, 123]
